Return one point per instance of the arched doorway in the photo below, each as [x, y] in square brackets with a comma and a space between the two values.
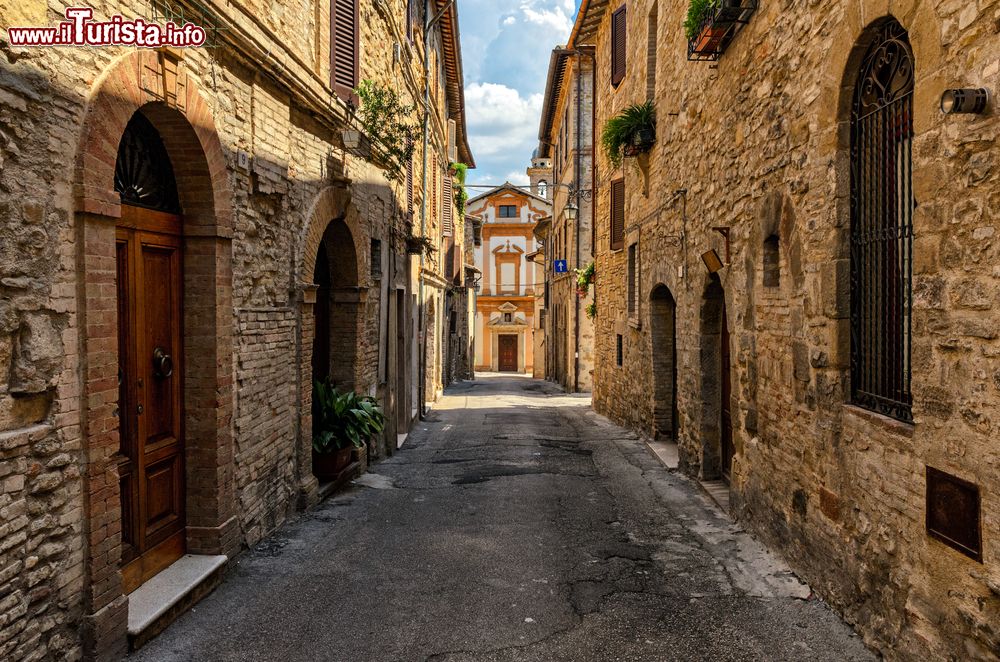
[663, 320]
[337, 304]
[716, 383]
[148, 245]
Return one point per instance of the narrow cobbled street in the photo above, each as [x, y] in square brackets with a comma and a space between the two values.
[515, 524]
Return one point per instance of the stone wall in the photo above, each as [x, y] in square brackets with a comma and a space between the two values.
[760, 144]
[248, 262]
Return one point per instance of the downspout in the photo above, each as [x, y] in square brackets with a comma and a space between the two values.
[428, 26]
[576, 178]
[590, 52]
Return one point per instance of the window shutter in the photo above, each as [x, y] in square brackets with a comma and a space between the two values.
[409, 185]
[617, 214]
[448, 224]
[344, 46]
[618, 46]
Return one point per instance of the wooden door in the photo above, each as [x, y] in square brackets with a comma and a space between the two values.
[726, 433]
[508, 353]
[151, 462]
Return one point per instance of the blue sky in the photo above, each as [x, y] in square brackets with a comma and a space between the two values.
[505, 55]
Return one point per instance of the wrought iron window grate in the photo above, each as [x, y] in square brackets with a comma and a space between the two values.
[882, 226]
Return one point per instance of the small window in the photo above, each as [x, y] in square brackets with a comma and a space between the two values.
[772, 262]
[376, 256]
[507, 211]
[633, 275]
[620, 353]
[618, 29]
[651, 53]
[617, 214]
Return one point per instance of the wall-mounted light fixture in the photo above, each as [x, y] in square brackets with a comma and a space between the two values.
[712, 261]
[570, 210]
[967, 100]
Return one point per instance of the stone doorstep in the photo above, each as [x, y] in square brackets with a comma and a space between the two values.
[352, 471]
[666, 452]
[718, 491]
[157, 603]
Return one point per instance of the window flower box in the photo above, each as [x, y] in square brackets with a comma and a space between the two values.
[711, 26]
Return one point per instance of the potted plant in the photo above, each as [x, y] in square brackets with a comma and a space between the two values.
[584, 279]
[706, 26]
[630, 133]
[417, 245]
[592, 311]
[342, 424]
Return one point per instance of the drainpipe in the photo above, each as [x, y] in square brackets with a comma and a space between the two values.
[589, 52]
[428, 26]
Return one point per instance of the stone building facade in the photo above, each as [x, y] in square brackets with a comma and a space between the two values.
[505, 304]
[768, 159]
[185, 244]
[566, 137]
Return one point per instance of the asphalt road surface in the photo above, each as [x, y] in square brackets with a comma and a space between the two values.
[515, 524]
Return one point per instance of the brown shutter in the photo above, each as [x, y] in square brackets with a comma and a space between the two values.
[618, 24]
[409, 185]
[617, 214]
[344, 46]
[448, 224]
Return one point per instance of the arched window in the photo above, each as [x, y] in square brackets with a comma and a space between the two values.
[543, 189]
[772, 261]
[882, 225]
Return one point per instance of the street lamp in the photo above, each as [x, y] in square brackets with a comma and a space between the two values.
[570, 210]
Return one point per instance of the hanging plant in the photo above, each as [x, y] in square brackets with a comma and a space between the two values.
[459, 170]
[584, 279]
[630, 133]
[592, 311]
[418, 245]
[384, 118]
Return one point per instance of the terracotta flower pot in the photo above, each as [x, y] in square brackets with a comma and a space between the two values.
[709, 39]
[327, 466]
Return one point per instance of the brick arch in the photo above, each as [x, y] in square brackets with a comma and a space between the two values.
[160, 88]
[333, 202]
[163, 90]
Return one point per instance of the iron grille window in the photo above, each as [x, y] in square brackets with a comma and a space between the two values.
[376, 257]
[881, 226]
[617, 214]
[619, 350]
[618, 29]
[632, 279]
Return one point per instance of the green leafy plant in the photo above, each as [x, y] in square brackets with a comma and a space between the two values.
[592, 311]
[584, 278]
[385, 120]
[632, 130]
[417, 245]
[461, 194]
[342, 420]
[697, 11]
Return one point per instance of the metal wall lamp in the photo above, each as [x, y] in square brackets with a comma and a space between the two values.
[971, 101]
[571, 211]
[712, 261]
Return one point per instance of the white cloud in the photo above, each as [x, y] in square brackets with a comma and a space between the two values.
[518, 177]
[506, 47]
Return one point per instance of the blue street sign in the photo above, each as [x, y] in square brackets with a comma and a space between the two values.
[561, 267]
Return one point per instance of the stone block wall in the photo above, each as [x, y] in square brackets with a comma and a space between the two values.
[251, 236]
[758, 144]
